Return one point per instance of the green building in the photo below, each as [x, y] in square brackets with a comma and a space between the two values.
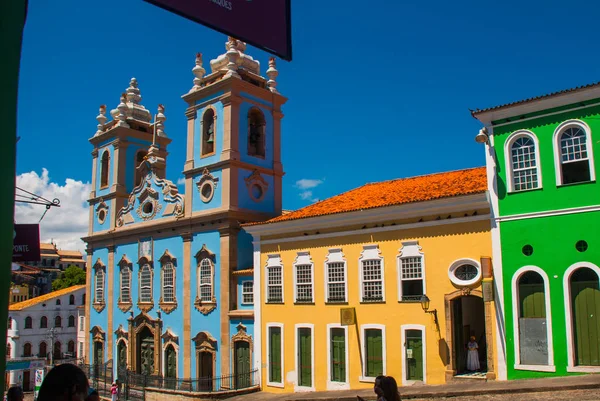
[546, 231]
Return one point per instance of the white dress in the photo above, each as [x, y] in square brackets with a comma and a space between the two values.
[473, 356]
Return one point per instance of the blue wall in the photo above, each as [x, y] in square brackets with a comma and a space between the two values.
[216, 201]
[266, 205]
[267, 162]
[96, 226]
[98, 319]
[245, 251]
[240, 284]
[211, 322]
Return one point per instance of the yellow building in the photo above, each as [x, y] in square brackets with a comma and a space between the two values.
[406, 262]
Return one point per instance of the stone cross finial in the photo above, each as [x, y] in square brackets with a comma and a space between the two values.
[101, 119]
[133, 92]
[160, 120]
[198, 72]
[122, 116]
[272, 74]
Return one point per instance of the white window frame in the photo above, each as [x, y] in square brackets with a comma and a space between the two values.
[371, 252]
[508, 159]
[81, 323]
[211, 276]
[517, 341]
[97, 299]
[571, 367]
[303, 259]
[162, 279]
[164, 360]
[297, 387]
[274, 261]
[335, 255]
[345, 385]
[150, 271]
[125, 266]
[244, 292]
[363, 354]
[557, 148]
[409, 249]
[460, 262]
[403, 329]
[270, 383]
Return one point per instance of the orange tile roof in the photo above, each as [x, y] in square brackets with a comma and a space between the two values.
[43, 245]
[69, 253]
[72, 260]
[37, 300]
[395, 192]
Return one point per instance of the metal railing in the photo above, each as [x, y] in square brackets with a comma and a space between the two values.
[204, 384]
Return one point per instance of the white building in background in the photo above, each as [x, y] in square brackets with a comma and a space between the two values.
[44, 328]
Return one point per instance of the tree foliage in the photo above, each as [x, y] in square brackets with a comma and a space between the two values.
[72, 275]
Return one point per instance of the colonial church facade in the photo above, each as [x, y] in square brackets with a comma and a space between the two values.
[170, 274]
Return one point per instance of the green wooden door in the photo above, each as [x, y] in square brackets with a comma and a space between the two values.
[171, 362]
[242, 364]
[98, 354]
[585, 303]
[373, 353]
[147, 356]
[304, 357]
[414, 355]
[275, 354]
[338, 355]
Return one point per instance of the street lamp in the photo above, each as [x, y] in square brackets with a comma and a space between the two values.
[425, 305]
[51, 334]
[482, 136]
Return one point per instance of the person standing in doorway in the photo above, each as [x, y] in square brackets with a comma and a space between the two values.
[473, 355]
[114, 392]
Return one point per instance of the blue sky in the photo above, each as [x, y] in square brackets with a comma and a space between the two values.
[377, 90]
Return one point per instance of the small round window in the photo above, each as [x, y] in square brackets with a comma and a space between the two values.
[207, 191]
[581, 246]
[257, 192]
[101, 216]
[527, 250]
[464, 272]
[148, 208]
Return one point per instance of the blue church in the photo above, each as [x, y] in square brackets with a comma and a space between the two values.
[170, 277]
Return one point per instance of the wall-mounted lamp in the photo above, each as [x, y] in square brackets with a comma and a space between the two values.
[482, 136]
[425, 306]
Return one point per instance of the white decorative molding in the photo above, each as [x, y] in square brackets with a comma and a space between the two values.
[403, 329]
[101, 211]
[409, 249]
[508, 159]
[548, 213]
[257, 186]
[571, 367]
[281, 352]
[464, 283]
[303, 259]
[274, 260]
[557, 148]
[363, 355]
[371, 252]
[335, 255]
[206, 186]
[297, 387]
[515, 308]
[331, 385]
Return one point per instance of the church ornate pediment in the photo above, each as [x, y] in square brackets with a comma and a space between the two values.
[206, 186]
[204, 340]
[154, 197]
[203, 253]
[121, 333]
[97, 333]
[169, 336]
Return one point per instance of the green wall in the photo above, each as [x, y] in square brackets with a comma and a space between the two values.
[550, 197]
[553, 240]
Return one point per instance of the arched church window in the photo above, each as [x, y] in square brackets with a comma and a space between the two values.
[104, 167]
[208, 132]
[168, 281]
[139, 158]
[99, 285]
[146, 283]
[256, 133]
[206, 280]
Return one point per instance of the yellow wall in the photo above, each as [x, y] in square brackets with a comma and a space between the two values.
[441, 246]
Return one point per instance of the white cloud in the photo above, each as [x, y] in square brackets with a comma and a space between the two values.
[307, 183]
[306, 195]
[181, 181]
[65, 224]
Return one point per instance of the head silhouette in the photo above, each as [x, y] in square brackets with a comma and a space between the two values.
[14, 394]
[64, 382]
[390, 389]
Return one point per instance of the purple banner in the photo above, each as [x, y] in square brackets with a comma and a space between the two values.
[26, 243]
[265, 24]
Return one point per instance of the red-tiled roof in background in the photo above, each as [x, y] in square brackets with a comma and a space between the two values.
[43, 298]
[531, 99]
[395, 192]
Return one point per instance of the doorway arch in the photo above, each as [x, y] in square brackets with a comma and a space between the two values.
[454, 326]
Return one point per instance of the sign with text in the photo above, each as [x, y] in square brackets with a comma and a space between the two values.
[26, 243]
[265, 24]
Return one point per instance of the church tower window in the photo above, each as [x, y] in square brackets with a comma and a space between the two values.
[208, 133]
[256, 133]
[139, 158]
[105, 164]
